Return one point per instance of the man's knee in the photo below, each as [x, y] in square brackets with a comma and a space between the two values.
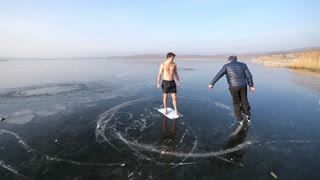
[236, 102]
[174, 96]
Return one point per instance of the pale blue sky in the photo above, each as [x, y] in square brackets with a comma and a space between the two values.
[44, 28]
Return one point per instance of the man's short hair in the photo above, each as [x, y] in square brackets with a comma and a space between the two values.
[232, 58]
[170, 54]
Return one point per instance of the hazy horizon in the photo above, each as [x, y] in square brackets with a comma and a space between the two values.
[120, 28]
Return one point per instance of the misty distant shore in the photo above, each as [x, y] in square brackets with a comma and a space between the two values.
[282, 58]
[144, 57]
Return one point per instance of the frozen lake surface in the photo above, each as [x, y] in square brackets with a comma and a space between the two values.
[96, 119]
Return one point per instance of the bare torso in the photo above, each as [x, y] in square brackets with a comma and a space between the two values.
[169, 69]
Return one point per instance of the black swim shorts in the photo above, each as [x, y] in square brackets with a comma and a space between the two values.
[169, 86]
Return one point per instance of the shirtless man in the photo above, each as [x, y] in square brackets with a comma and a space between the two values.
[169, 70]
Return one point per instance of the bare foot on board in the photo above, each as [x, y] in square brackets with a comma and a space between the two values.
[165, 111]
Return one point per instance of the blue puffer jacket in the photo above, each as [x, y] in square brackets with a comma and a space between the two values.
[237, 73]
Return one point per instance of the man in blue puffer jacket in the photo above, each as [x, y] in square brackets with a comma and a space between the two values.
[238, 76]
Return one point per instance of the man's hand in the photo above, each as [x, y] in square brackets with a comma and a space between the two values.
[179, 84]
[210, 86]
[158, 86]
[252, 89]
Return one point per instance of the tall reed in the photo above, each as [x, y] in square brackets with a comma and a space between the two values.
[309, 59]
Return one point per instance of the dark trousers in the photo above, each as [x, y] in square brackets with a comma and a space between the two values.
[240, 101]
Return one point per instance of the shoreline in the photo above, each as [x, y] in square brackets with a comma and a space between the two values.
[305, 60]
[284, 63]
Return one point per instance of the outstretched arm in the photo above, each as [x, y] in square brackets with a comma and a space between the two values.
[160, 75]
[222, 72]
[177, 76]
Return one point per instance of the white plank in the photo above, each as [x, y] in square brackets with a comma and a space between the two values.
[170, 113]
